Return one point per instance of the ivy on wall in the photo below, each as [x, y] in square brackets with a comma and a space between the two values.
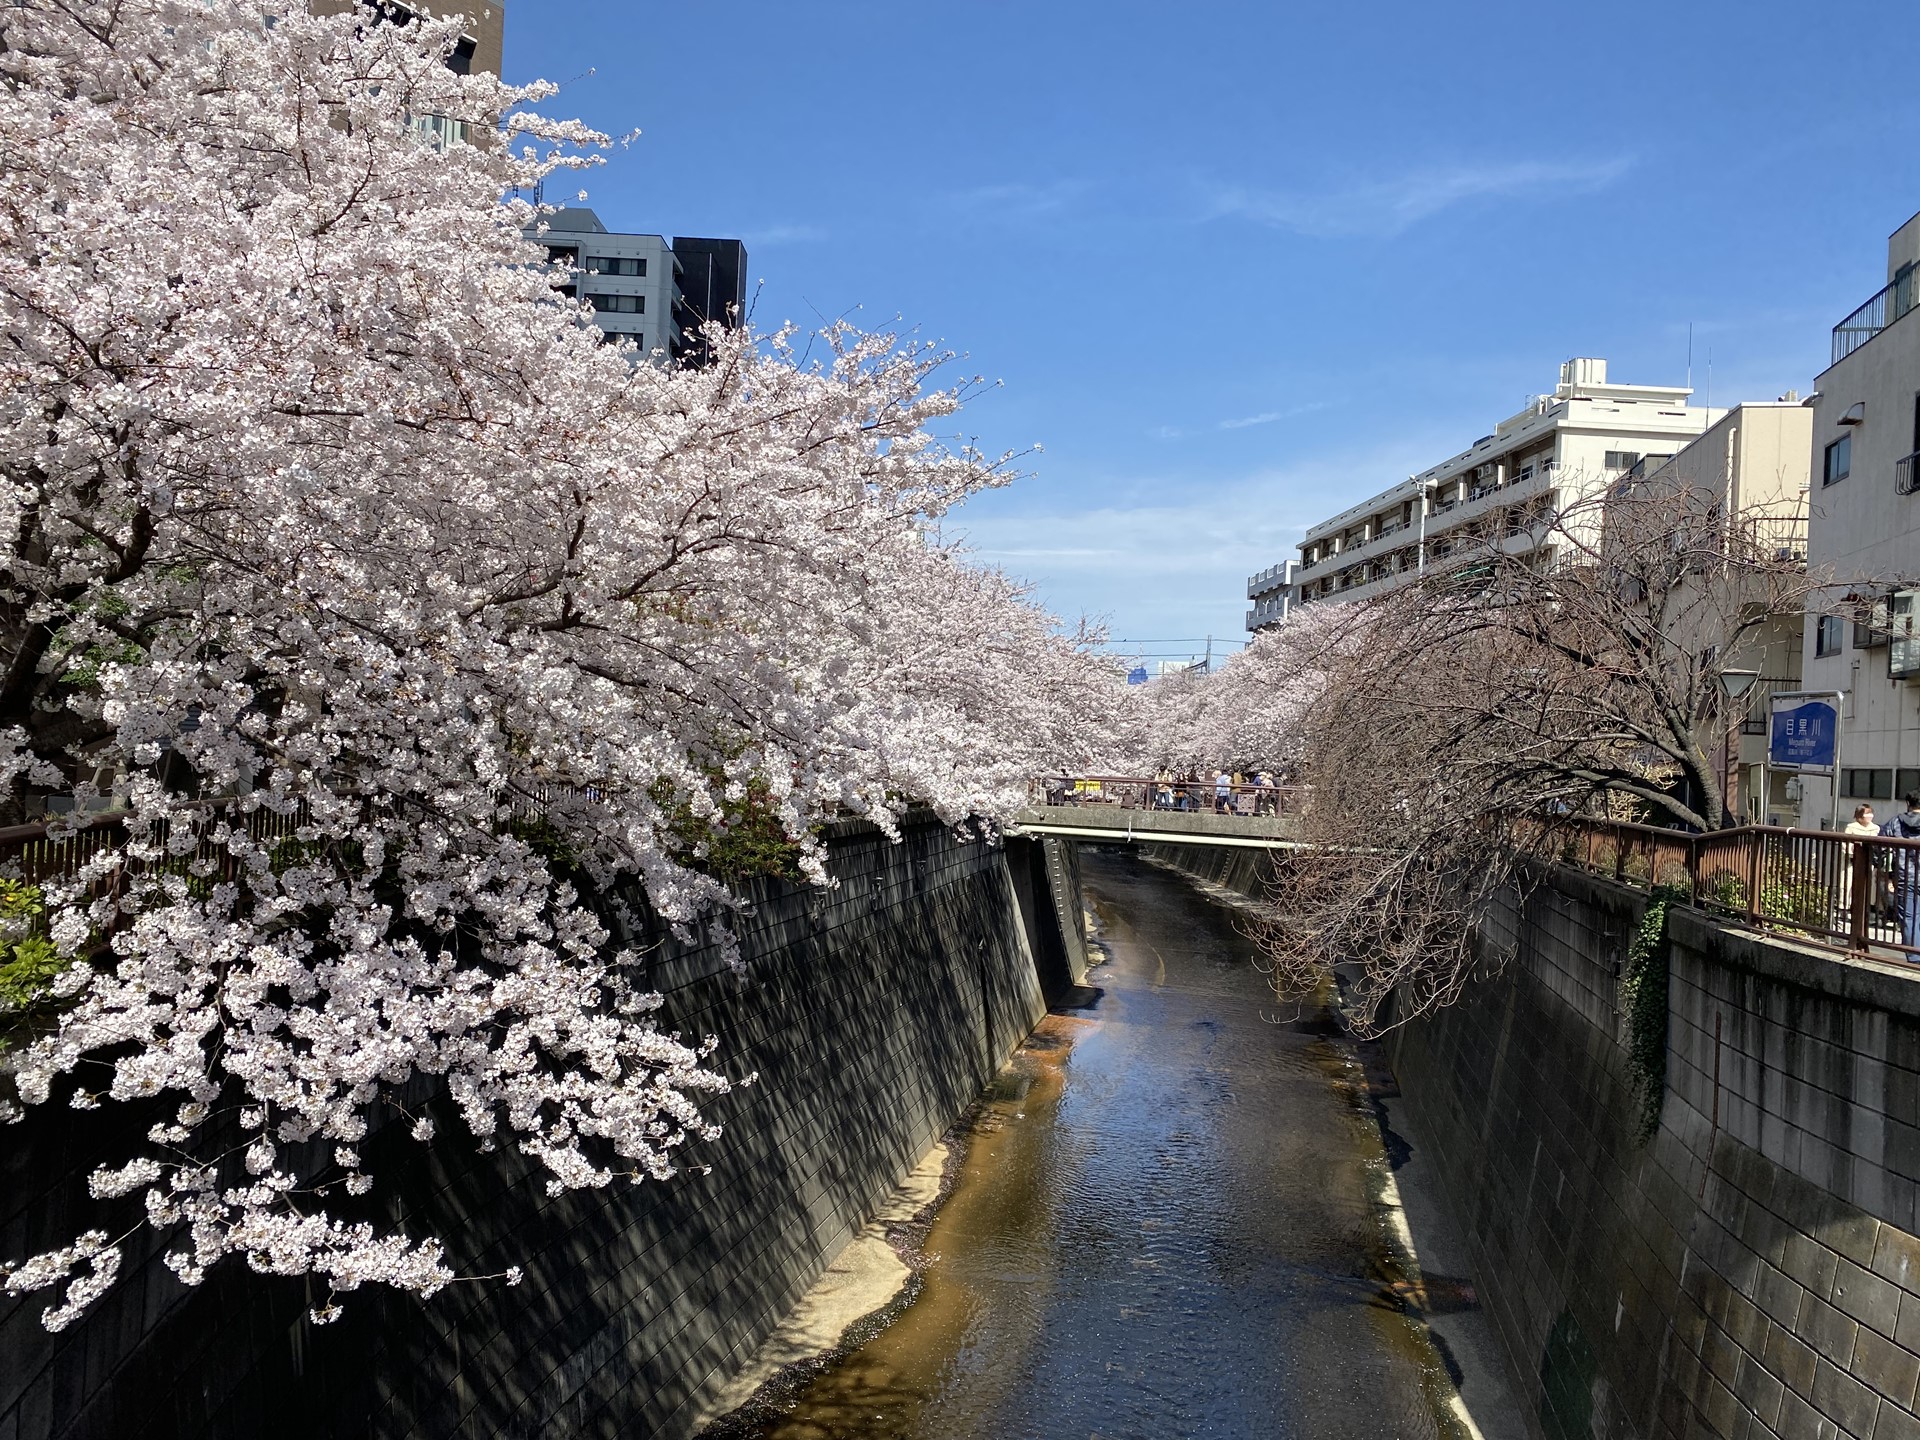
[1643, 1001]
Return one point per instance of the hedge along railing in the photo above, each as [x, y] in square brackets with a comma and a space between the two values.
[1818, 886]
[50, 852]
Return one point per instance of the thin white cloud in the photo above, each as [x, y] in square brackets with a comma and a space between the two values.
[1177, 564]
[1389, 206]
[785, 235]
[1016, 201]
[1165, 432]
[1265, 417]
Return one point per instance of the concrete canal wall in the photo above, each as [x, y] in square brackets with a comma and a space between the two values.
[1751, 1269]
[873, 1014]
[1244, 869]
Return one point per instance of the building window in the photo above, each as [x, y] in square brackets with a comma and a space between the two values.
[1905, 782]
[1867, 784]
[1839, 461]
[619, 304]
[617, 264]
[1830, 637]
[1622, 459]
[1870, 629]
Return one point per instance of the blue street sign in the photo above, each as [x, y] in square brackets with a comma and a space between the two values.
[1803, 734]
[1137, 675]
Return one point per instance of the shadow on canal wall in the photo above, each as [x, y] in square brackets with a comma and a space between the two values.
[874, 1015]
[1749, 1269]
[1244, 869]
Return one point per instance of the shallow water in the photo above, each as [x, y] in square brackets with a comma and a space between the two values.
[1166, 1224]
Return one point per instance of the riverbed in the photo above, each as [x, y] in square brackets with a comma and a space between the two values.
[1172, 1216]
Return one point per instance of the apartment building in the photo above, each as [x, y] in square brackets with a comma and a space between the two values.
[1864, 529]
[479, 51]
[1754, 460]
[1565, 446]
[1271, 592]
[647, 289]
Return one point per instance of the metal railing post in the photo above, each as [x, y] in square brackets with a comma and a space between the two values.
[1860, 896]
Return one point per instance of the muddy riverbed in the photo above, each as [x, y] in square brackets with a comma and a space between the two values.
[1173, 1216]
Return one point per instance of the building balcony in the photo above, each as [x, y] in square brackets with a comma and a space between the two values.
[1756, 705]
[1274, 577]
[1906, 474]
[1896, 300]
[1779, 538]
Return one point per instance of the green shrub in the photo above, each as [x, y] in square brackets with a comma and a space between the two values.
[28, 961]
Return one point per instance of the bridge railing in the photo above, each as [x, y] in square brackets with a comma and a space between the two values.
[1148, 792]
[1819, 887]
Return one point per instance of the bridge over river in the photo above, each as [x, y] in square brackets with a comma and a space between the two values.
[1128, 809]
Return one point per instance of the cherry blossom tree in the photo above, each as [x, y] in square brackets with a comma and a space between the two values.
[1475, 710]
[1247, 715]
[405, 625]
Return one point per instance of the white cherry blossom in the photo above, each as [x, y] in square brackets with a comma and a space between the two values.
[431, 647]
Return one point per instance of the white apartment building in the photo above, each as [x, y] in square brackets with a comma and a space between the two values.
[630, 280]
[1864, 528]
[1566, 446]
[1271, 592]
[1755, 458]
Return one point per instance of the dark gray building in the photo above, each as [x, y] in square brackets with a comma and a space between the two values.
[713, 287]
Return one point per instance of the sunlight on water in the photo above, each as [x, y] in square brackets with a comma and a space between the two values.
[1164, 1225]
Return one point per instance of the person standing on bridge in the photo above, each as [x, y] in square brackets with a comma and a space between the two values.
[1222, 791]
[1904, 861]
[1861, 824]
[1265, 801]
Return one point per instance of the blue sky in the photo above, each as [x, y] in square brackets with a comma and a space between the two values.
[1238, 265]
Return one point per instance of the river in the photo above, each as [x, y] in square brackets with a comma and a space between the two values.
[1173, 1217]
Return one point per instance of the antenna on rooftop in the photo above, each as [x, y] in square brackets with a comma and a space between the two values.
[1689, 357]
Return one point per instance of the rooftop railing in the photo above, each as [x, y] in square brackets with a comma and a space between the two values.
[1877, 314]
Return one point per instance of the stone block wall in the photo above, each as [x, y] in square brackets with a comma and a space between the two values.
[1751, 1270]
[873, 1014]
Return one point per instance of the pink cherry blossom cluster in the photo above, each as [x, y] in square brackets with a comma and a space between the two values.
[1247, 715]
[327, 507]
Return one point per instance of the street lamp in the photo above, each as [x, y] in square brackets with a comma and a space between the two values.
[1736, 684]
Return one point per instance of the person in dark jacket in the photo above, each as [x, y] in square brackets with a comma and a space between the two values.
[1905, 865]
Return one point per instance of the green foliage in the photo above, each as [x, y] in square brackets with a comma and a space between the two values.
[543, 837]
[1643, 996]
[744, 840]
[28, 961]
[753, 842]
[1792, 898]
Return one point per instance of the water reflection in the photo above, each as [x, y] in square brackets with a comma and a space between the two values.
[1164, 1225]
